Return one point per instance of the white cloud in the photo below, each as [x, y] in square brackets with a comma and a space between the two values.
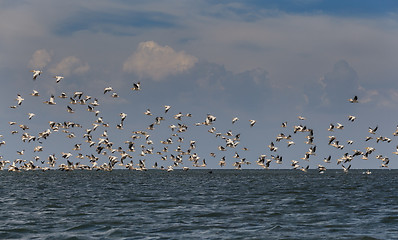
[40, 59]
[157, 62]
[70, 65]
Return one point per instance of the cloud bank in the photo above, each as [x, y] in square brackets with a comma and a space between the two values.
[155, 61]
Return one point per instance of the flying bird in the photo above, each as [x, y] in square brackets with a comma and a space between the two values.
[58, 78]
[136, 86]
[36, 73]
[353, 100]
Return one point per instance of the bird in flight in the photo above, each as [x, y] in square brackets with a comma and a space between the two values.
[36, 73]
[353, 100]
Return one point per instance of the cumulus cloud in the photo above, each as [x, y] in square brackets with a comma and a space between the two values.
[155, 61]
[70, 65]
[40, 59]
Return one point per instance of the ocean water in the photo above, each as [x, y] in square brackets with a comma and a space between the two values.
[224, 204]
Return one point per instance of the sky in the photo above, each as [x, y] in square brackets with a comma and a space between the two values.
[269, 61]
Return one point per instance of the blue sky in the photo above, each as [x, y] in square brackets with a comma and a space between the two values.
[270, 61]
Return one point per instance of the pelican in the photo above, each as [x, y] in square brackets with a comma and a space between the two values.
[19, 99]
[301, 118]
[353, 100]
[148, 112]
[115, 95]
[51, 101]
[234, 120]
[136, 86]
[36, 73]
[166, 108]
[373, 130]
[35, 93]
[108, 89]
[345, 169]
[351, 118]
[63, 95]
[31, 115]
[58, 78]
[252, 122]
[78, 94]
[70, 110]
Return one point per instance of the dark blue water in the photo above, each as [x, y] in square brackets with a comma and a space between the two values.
[227, 204]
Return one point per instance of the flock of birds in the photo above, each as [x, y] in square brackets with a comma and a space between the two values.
[96, 138]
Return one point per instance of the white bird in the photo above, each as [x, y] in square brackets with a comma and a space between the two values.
[301, 118]
[351, 118]
[148, 112]
[31, 115]
[36, 73]
[108, 89]
[235, 119]
[78, 94]
[35, 93]
[63, 95]
[252, 122]
[70, 110]
[166, 108]
[373, 130]
[136, 86]
[19, 99]
[51, 101]
[58, 78]
[353, 100]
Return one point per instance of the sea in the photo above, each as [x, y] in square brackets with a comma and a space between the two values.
[199, 204]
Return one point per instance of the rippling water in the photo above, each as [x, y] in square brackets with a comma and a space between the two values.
[226, 204]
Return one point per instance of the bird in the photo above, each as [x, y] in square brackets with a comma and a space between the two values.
[51, 101]
[373, 130]
[31, 115]
[136, 86]
[19, 99]
[35, 93]
[166, 108]
[354, 99]
[108, 89]
[58, 78]
[36, 73]
[234, 120]
[252, 122]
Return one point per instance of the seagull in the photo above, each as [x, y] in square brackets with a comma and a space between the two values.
[36, 73]
[58, 78]
[136, 86]
[353, 100]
